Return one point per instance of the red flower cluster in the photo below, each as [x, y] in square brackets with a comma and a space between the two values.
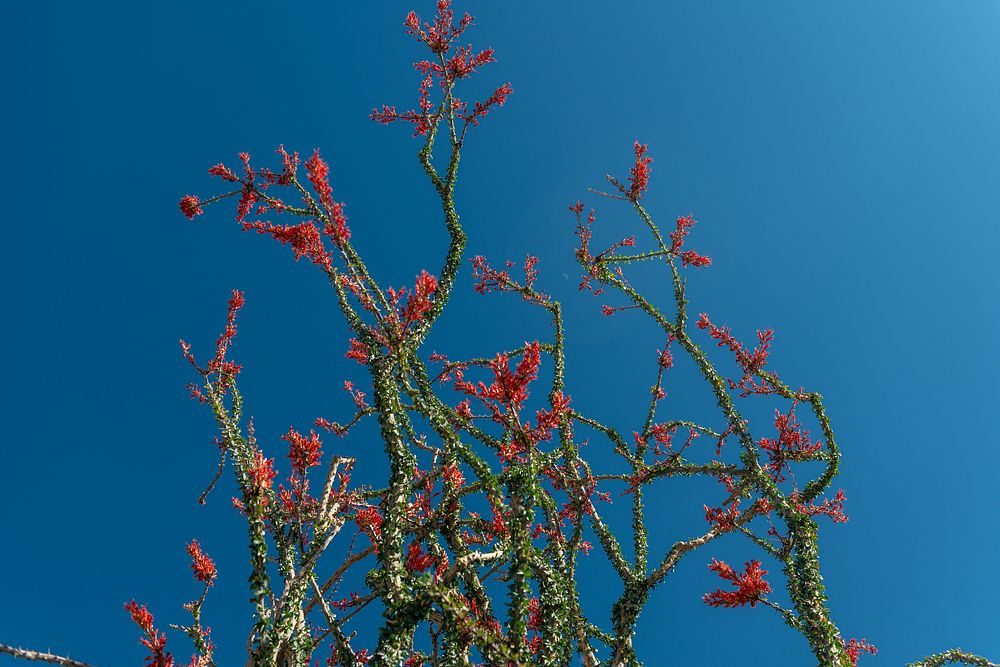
[638, 179]
[261, 472]
[725, 519]
[508, 388]
[419, 301]
[356, 395]
[359, 351]
[190, 206]
[439, 37]
[792, 444]
[665, 360]
[583, 254]
[248, 194]
[487, 279]
[639, 174]
[370, 520]
[459, 66]
[417, 560]
[202, 566]
[833, 508]
[304, 452]
[452, 475]
[688, 257]
[856, 647]
[304, 238]
[336, 228]
[154, 640]
[226, 370]
[498, 98]
[750, 585]
[752, 362]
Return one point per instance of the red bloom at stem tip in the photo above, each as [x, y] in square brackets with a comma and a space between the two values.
[638, 179]
[750, 585]
[752, 362]
[260, 473]
[448, 67]
[191, 206]
[439, 35]
[688, 257]
[639, 174]
[508, 388]
[304, 238]
[417, 560]
[359, 351]
[202, 566]
[418, 303]
[856, 647]
[303, 451]
[154, 640]
[319, 175]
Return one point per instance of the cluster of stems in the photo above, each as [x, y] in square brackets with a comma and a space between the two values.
[471, 550]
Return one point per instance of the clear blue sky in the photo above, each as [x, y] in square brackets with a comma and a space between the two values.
[843, 161]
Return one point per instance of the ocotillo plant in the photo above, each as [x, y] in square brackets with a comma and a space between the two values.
[472, 547]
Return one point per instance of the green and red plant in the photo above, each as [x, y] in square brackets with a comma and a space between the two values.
[472, 547]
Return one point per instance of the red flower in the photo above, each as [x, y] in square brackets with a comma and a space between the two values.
[688, 257]
[750, 361]
[303, 237]
[154, 640]
[792, 444]
[694, 259]
[463, 63]
[417, 560]
[452, 475]
[684, 224]
[248, 197]
[750, 585]
[261, 473]
[666, 357]
[855, 648]
[464, 409]
[725, 519]
[319, 175]
[832, 508]
[489, 279]
[202, 566]
[190, 206]
[303, 451]
[223, 172]
[440, 34]
[510, 389]
[419, 301]
[498, 98]
[359, 351]
[140, 616]
[226, 370]
[370, 521]
[318, 172]
[639, 174]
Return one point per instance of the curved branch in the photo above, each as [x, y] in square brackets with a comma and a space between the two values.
[28, 654]
[952, 655]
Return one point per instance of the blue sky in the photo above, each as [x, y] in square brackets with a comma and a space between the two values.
[842, 160]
